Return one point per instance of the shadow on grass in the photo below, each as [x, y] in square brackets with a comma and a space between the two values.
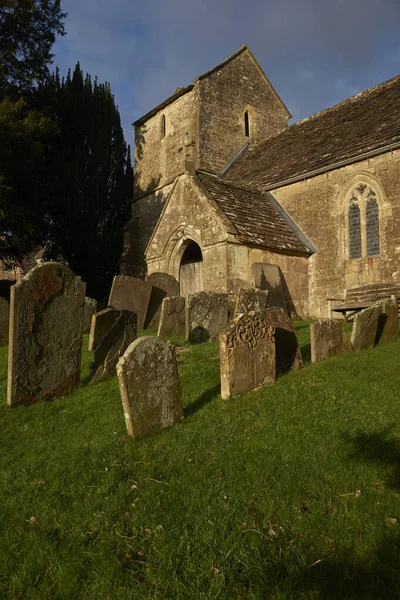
[347, 575]
[202, 400]
[378, 448]
[305, 350]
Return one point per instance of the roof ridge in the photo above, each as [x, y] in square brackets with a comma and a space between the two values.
[238, 186]
[356, 97]
[221, 64]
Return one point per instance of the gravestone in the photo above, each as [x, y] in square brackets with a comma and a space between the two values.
[268, 276]
[172, 320]
[247, 355]
[326, 339]
[250, 300]
[131, 293]
[102, 322]
[388, 322]
[149, 386]
[4, 321]
[90, 309]
[288, 355]
[365, 327]
[164, 286]
[206, 315]
[46, 323]
[112, 346]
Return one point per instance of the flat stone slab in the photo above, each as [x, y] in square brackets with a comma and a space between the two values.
[250, 300]
[247, 355]
[131, 293]
[206, 315]
[172, 320]
[112, 346]
[90, 309]
[326, 338]
[46, 323]
[164, 286]
[288, 355]
[388, 322]
[267, 276]
[365, 326]
[102, 322]
[4, 321]
[149, 386]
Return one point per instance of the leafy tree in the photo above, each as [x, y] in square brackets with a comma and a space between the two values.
[89, 183]
[27, 32]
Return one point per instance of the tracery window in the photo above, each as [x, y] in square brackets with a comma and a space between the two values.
[363, 222]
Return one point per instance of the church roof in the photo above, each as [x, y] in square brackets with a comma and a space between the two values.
[256, 219]
[359, 125]
[178, 93]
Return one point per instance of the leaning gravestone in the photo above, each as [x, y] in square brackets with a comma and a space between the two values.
[149, 386]
[250, 300]
[247, 355]
[269, 277]
[206, 315]
[172, 320]
[164, 286]
[365, 327]
[130, 293]
[326, 339]
[102, 322]
[90, 309]
[46, 323]
[112, 346]
[288, 355]
[4, 321]
[388, 322]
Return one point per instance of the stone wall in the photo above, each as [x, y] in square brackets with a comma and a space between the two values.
[319, 206]
[225, 95]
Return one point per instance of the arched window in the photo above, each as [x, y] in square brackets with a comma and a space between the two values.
[354, 229]
[246, 124]
[363, 222]
[162, 126]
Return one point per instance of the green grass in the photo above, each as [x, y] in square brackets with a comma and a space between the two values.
[292, 491]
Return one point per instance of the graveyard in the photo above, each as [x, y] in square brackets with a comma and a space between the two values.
[288, 491]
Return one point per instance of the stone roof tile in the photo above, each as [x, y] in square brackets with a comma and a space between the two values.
[255, 218]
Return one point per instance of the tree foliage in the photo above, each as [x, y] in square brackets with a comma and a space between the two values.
[89, 184]
[27, 32]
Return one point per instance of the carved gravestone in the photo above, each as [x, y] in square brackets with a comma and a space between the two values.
[112, 346]
[250, 300]
[365, 327]
[90, 309]
[149, 386]
[326, 338]
[164, 286]
[172, 320]
[206, 315]
[388, 322]
[288, 355]
[130, 293]
[46, 323]
[269, 277]
[247, 355]
[4, 321]
[102, 322]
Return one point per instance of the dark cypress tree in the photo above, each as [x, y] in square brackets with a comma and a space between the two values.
[89, 185]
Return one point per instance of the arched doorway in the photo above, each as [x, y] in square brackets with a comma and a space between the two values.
[191, 269]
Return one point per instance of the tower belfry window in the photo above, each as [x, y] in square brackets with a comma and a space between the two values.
[246, 124]
[162, 126]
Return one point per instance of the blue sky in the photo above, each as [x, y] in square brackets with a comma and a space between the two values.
[315, 52]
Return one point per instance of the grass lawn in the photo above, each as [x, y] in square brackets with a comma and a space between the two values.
[292, 491]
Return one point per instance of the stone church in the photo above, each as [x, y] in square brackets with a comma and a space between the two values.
[222, 181]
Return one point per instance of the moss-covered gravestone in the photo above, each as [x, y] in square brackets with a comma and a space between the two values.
[46, 323]
[206, 315]
[172, 320]
[149, 386]
[326, 339]
[250, 300]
